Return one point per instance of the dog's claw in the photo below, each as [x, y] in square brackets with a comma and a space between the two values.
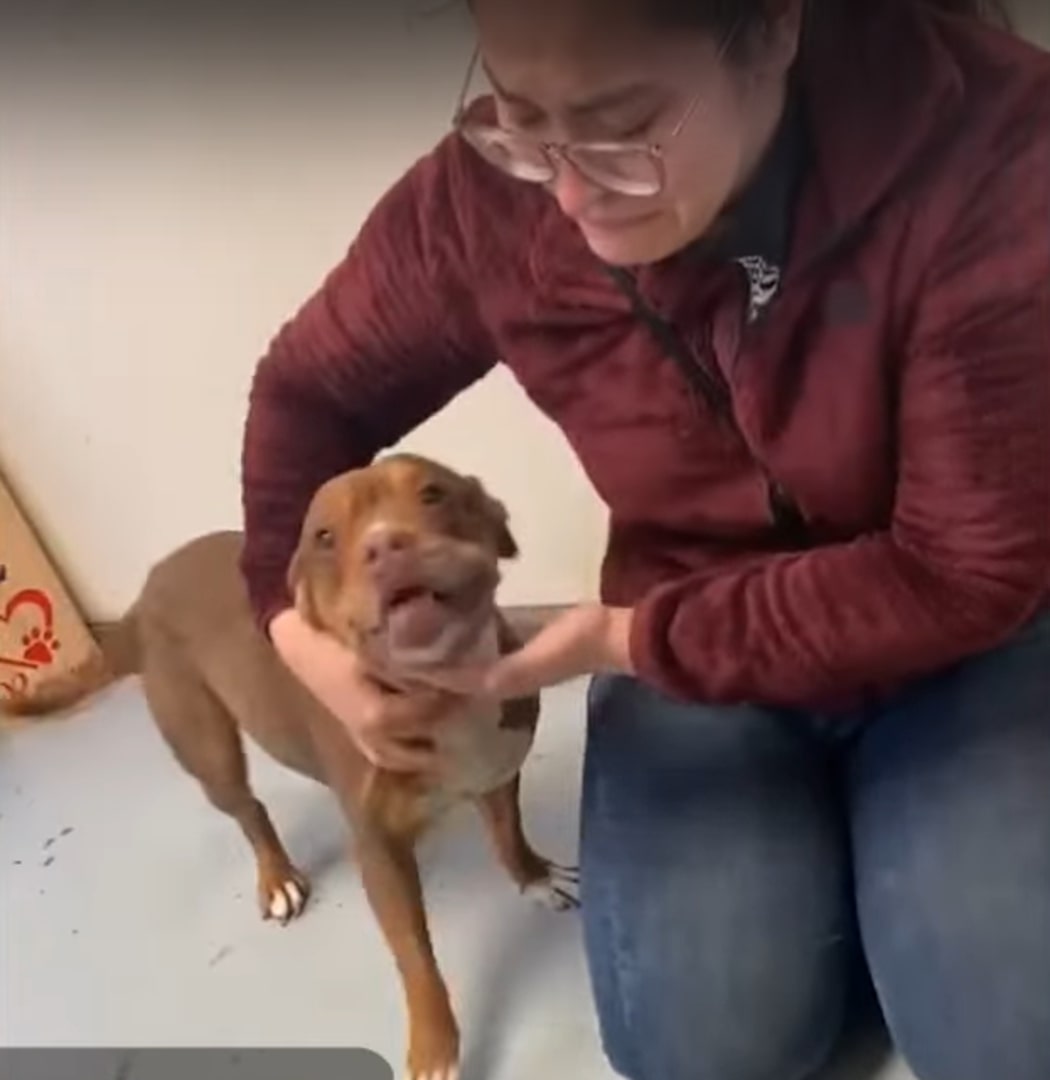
[570, 874]
[558, 891]
[285, 900]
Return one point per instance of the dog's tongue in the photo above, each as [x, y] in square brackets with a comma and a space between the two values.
[415, 623]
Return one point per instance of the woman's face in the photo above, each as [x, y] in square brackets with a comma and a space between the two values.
[590, 70]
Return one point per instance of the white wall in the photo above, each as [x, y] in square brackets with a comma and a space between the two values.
[166, 199]
[163, 207]
[1033, 19]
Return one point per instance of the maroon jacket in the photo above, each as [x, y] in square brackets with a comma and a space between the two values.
[872, 502]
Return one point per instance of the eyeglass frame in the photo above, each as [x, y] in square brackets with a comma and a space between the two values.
[554, 150]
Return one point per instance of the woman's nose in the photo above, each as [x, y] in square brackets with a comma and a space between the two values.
[574, 193]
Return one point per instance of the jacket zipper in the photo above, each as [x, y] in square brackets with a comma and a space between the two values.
[785, 512]
[693, 370]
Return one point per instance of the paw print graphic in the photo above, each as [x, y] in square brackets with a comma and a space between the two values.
[39, 647]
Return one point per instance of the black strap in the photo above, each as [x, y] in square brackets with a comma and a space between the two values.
[785, 512]
[692, 368]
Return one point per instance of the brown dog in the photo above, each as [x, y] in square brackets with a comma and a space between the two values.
[399, 562]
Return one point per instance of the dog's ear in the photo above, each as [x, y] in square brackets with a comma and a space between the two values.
[299, 581]
[506, 545]
[495, 514]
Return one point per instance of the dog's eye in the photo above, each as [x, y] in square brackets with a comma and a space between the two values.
[324, 539]
[432, 495]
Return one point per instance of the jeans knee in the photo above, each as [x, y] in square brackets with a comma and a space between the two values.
[977, 1051]
[720, 1012]
[962, 967]
[950, 811]
[758, 1048]
[715, 897]
[974, 1024]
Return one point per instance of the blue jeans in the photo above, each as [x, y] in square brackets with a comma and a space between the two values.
[742, 867]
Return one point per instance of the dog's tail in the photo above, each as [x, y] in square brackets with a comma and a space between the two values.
[117, 657]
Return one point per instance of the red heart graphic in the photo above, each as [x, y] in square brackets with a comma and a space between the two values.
[39, 645]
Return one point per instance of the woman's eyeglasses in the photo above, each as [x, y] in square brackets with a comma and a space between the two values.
[622, 168]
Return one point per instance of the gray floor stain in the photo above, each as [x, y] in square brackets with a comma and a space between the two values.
[220, 956]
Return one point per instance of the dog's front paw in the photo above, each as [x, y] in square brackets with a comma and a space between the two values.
[558, 889]
[283, 896]
[450, 1072]
[434, 1053]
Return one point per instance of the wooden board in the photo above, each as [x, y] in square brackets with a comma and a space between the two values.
[41, 631]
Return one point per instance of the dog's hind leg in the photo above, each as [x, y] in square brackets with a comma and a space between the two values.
[207, 743]
[545, 882]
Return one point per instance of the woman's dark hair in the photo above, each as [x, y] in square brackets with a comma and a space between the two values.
[725, 14]
[990, 10]
[741, 19]
[723, 17]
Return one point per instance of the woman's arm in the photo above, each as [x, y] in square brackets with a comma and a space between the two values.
[966, 559]
[390, 337]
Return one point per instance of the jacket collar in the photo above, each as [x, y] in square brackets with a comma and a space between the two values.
[879, 86]
[759, 223]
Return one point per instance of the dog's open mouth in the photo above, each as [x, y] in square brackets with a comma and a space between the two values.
[409, 595]
[417, 615]
[432, 604]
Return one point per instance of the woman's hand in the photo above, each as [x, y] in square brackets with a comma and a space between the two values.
[587, 640]
[393, 731]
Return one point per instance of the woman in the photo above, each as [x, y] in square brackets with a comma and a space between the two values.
[780, 271]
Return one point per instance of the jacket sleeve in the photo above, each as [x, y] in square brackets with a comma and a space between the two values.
[391, 336]
[966, 558]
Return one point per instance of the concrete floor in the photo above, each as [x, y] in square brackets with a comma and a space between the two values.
[129, 919]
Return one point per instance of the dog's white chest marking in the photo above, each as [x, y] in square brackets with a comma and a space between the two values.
[478, 754]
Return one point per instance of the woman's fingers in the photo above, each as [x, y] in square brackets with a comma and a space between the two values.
[401, 755]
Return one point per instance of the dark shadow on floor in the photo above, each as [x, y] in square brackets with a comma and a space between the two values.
[865, 1048]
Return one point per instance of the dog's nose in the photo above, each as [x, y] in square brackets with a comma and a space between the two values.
[384, 542]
